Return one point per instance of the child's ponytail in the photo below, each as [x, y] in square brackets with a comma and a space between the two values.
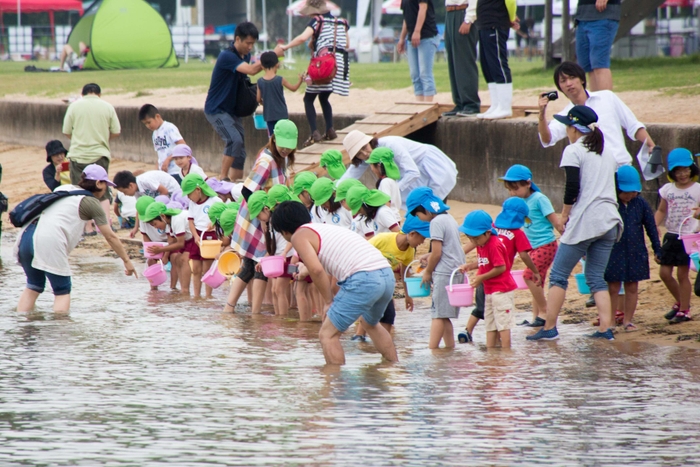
[594, 141]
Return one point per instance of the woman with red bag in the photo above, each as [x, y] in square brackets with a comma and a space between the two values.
[326, 33]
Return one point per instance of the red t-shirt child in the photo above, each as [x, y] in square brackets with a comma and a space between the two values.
[515, 242]
[492, 255]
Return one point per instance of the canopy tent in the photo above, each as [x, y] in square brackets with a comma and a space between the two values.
[40, 6]
[295, 8]
[124, 34]
[392, 7]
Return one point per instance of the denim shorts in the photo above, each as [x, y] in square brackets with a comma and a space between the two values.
[365, 294]
[594, 40]
[36, 279]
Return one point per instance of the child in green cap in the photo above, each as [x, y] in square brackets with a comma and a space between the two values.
[381, 163]
[201, 197]
[372, 204]
[332, 161]
[358, 224]
[151, 234]
[176, 225]
[302, 183]
[323, 193]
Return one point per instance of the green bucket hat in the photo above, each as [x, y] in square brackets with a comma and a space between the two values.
[303, 181]
[155, 209]
[332, 160]
[193, 181]
[341, 189]
[142, 204]
[227, 221]
[279, 194]
[286, 134]
[357, 196]
[322, 190]
[385, 156]
[215, 211]
[256, 203]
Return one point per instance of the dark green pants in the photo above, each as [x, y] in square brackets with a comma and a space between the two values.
[461, 62]
[76, 171]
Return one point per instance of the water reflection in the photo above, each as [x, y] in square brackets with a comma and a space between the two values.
[134, 377]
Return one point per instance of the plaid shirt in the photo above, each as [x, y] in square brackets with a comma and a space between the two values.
[248, 237]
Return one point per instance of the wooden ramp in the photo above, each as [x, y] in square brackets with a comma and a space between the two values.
[402, 119]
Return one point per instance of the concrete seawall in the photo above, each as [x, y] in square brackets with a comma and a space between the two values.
[482, 150]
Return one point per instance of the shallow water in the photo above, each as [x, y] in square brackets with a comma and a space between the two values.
[131, 377]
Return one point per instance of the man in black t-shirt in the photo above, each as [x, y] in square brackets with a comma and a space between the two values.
[420, 29]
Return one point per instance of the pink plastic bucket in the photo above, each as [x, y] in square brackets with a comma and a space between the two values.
[690, 241]
[518, 278]
[156, 274]
[460, 294]
[213, 278]
[148, 255]
[272, 266]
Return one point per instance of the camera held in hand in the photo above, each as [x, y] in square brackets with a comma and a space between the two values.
[551, 95]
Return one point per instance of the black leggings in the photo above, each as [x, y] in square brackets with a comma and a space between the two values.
[309, 99]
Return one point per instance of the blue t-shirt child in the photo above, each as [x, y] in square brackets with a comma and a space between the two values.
[224, 83]
[539, 231]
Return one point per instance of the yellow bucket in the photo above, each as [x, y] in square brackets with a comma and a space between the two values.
[229, 263]
[208, 249]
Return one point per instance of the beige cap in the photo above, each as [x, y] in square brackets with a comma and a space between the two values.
[354, 141]
[314, 7]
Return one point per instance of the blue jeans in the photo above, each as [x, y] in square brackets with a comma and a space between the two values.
[420, 62]
[594, 40]
[365, 294]
[36, 279]
[597, 252]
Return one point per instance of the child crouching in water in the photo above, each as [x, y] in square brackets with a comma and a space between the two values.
[629, 259]
[493, 271]
[446, 255]
[372, 205]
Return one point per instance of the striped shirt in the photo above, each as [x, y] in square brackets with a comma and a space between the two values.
[341, 83]
[343, 253]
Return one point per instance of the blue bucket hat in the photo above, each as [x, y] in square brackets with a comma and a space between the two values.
[513, 214]
[413, 224]
[477, 223]
[425, 197]
[517, 173]
[628, 179]
[679, 157]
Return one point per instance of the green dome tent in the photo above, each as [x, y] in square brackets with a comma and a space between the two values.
[124, 34]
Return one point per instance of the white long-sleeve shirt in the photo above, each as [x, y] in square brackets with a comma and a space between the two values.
[613, 116]
[469, 13]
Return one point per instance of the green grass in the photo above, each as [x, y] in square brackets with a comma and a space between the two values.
[673, 75]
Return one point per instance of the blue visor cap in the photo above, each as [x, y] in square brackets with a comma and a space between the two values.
[628, 179]
[476, 223]
[425, 197]
[413, 224]
[513, 215]
[517, 173]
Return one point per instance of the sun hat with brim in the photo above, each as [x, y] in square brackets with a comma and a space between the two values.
[513, 214]
[332, 160]
[322, 190]
[156, 209]
[227, 221]
[219, 186]
[256, 203]
[424, 196]
[286, 134]
[303, 181]
[385, 156]
[193, 181]
[54, 147]
[519, 173]
[361, 195]
[477, 223]
[215, 211]
[279, 194]
[314, 7]
[182, 150]
[581, 117]
[413, 224]
[354, 141]
[342, 187]
[628, 179]
[96, 173]
[679, 157]
[142, 204]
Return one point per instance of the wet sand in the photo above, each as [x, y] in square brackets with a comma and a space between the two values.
[22, 177]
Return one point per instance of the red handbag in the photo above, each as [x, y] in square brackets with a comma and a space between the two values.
[323, 66]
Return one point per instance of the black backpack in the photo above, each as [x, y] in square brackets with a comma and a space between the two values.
[246, 96]
[35, 205]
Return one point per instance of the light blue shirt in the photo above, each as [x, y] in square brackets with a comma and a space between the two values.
[539, 231]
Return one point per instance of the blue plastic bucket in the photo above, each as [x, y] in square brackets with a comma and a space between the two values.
[260, 123]
[581, 284]
[695, 258]
[415, 289]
